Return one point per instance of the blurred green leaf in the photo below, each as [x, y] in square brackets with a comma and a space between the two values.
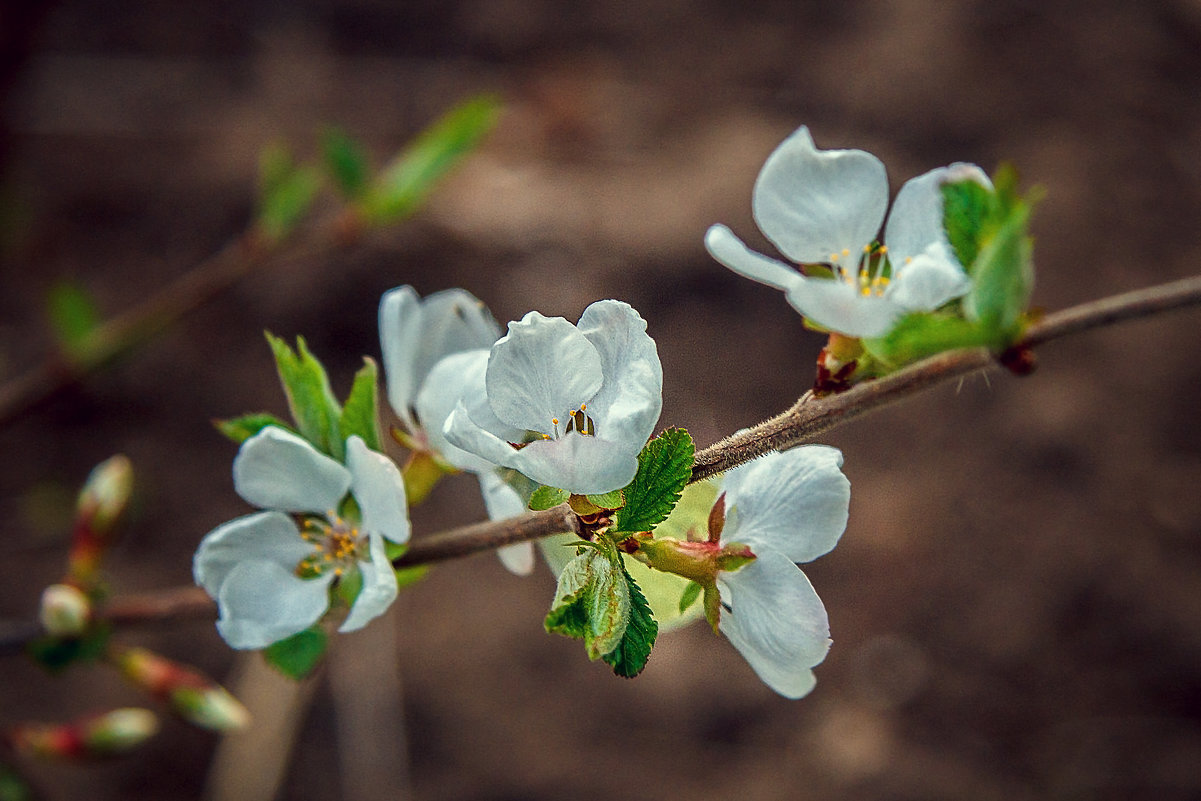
[240, 429]
[310, 399]
[57, 653]
[664, 467]
[967, 209]
[73, 316]
[1002, 281]
[360, 414]
[298, 655]
[346, 162]
[286, 192]
[403, 185]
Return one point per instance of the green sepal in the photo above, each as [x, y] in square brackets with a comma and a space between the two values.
[310, 399]
[57, 653]
[403, 185]
[421, 474]
[689, 596]
[297, 656]
[967, 209]
[921, 334]
[547, 498]
[609, 500]
[664, 468]
[712, 606]
[359, 415]
[1002, 280]
[240, 429]
[592, 600]
[286, 192]
[630, 656]
[408, 576]
[73, 317]
[346, 162]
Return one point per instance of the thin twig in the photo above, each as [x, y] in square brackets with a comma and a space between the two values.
[806, 419]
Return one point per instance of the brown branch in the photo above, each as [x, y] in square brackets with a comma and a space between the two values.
[806, 419]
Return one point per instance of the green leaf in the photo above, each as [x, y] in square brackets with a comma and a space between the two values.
[967, 208]
[298, 655]
[286, 192]
[1002, 280]
[547, 498]
[609, 500]
[360, 415]
[919, 335]
[592, 600]
[404, 184]
[629, 657]
[689, 596]
[346, 161]
[664, 467]
[240, 429]
[73, 316]
[58, 653]
[310, 399]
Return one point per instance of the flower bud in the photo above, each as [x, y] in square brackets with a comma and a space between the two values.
[101, 501]
[192, 695]
[64, 611]
[108, 734]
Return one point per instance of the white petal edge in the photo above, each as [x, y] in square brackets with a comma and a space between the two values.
[400, 340]
[579, 464]
[776, 622]
[811, 203]
[795, 502]
[261, 537]
[839, 307]
[929, 280]
[262, 603]
[541, 370]
[276, 469]
[379, 587]
[916, 220]
[455, 378]
[728, 249]
[380, 491]
[503, 502]
[629, 401]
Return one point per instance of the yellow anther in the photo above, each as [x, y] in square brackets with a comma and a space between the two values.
[867, 290]
[583, 406]
[546, 436]
[908, 259]
[867, 248]
[846, 251]
[883, 249]
[555, 420]
[833, 257]
[883, 280]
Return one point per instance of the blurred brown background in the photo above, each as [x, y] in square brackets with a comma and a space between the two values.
[1016, 604]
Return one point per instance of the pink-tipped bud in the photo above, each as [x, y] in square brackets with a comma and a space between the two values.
[108, 734]
[64, 610]
[101, 502]
[193, 696]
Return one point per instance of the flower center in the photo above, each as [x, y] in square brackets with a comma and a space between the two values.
[578, 420]
[336, 546]
[869, 273]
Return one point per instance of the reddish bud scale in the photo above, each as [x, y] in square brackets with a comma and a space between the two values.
[62, 741]
[158, 675]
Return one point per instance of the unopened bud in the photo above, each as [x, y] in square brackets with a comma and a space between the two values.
[111, 733]
[192, 695]
[101, 501]
[64, 611]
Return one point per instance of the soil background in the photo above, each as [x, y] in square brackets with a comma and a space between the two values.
[1016, 604]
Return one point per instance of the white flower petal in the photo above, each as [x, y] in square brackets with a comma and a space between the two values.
[929, 280]
[380, 491]
[263, 537]
[459, 377]
[517, 558]
[379, 587]
[916, 219]
[542, 369]
[579, 464]
[416, 334]
[503, 502]
[840, 307]
[730, 251]
[262, 603]
[776, 621]
[793, 502]
[811, 203]
[275, 469]
[463, 432]
[629, 401]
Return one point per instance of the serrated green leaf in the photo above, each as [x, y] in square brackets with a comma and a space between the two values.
[630, 656]
[286, 192]
[240, 429]
[346, 161]
[919, 335]
[310, 398]
[689, 596]
[404, 184]
[1002, 281]
[609, 500]
[298, 655]
[592, 601]
[73, 316]
[967, 207]
[360, 414]
[547, 498]
[664, 467]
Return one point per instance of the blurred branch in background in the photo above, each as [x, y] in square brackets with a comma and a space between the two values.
[280, 234]
[807, 418]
